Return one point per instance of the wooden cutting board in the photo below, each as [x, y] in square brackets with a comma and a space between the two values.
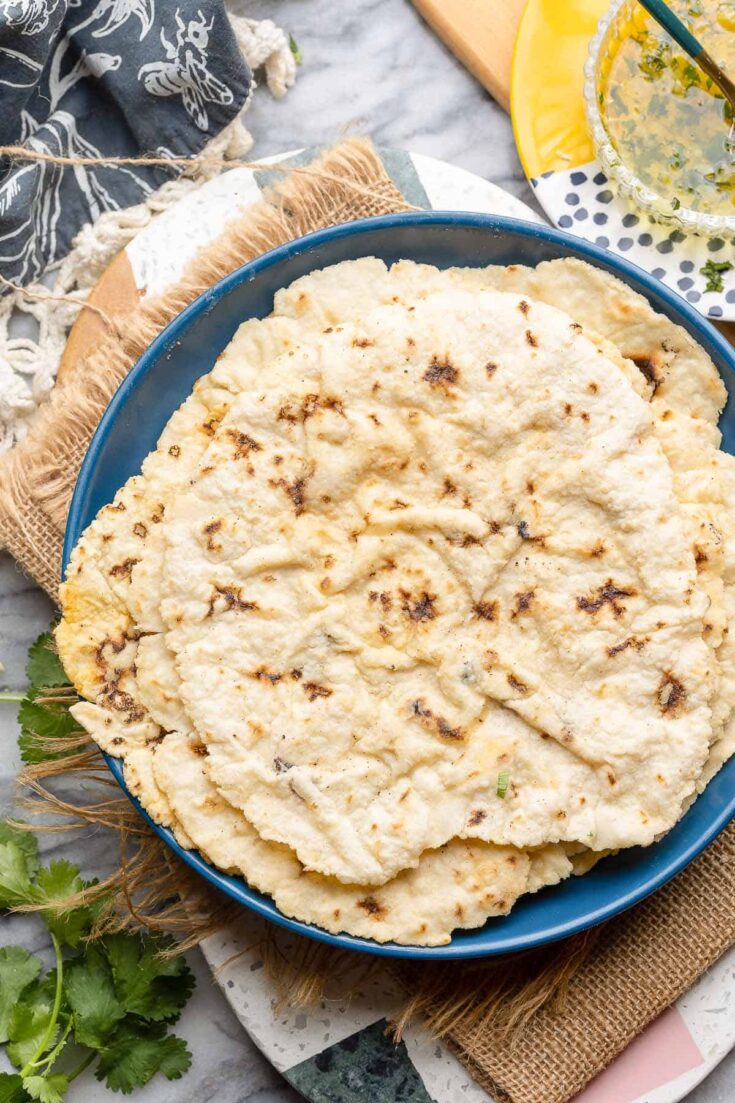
[481, 33]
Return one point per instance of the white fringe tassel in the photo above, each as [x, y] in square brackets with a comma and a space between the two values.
[28, 365]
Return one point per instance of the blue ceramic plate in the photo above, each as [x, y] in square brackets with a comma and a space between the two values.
[163, 378]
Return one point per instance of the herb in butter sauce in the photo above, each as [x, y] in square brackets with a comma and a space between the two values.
[667, 120]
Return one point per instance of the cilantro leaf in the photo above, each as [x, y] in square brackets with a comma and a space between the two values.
[25, 840]
[15, 881]
[294, 47]
[57, 882]
[47, 1089]
[137, 1052]
[44, 667]
[42, 721]
[11, 1089]
[18, 969]
[41, 717]
[91, 996]
[146, 983]
[29, 1021]
[713, 271]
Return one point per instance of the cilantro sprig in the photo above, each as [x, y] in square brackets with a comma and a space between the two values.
[713, 270]
[47, 728]
[109, 1000]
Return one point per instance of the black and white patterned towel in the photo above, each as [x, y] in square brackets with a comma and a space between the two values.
[95, 78]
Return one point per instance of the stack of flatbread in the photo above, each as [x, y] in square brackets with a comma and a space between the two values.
[423, 600]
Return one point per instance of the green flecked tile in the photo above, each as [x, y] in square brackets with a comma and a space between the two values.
[366, 1066]
[264, 178]
[399, 165]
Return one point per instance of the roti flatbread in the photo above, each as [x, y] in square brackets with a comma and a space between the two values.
[510, 592]
[460, 885]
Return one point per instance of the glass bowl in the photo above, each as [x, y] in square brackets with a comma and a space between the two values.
[610, 30]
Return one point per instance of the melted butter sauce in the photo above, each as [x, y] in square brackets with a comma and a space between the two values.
[666, 119]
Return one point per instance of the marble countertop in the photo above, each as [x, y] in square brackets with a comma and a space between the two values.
[370, 66]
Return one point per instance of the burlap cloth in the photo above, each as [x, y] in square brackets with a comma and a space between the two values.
[613, 985]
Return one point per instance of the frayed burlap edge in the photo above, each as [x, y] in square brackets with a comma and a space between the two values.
[37, 477]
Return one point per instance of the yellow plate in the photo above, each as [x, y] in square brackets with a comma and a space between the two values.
[546, 83]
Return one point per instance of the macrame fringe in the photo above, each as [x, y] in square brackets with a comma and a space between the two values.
[29, 364]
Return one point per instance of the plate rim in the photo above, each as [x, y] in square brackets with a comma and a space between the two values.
[455, 949]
